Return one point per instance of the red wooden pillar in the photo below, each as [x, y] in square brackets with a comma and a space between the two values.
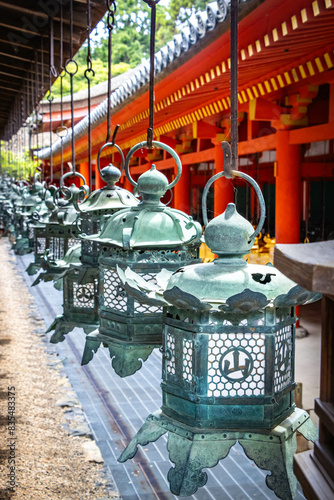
[288, 186]
[98, 180]
[127, 184]
[84, 170]
[223, 188]
[182, 190]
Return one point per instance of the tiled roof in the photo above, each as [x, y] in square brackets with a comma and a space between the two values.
[197, 28]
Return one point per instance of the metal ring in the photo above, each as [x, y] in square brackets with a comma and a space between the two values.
[83, 190]
[111, 145]
[71, 174]
[251, 181]
[89, 70]
[71, 73]
[157, 144]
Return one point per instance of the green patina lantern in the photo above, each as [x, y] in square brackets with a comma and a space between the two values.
[81, 279]
[5, 203]
[145, 238]
[37, 230]
[61, 232]
[228, 360]
[24, 208]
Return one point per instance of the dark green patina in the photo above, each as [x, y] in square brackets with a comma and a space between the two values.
[228, 362]
[145, 238]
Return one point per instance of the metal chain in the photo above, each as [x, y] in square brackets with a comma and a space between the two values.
[234, 83]
[89, 74]
[53, 73]
[111, 11]
[72, 72]
[62, 74]
[152, 5]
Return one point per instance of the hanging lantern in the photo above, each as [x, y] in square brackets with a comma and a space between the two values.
[5, 203]
[81, 280]
[38, 229]
[228, 360]
[145, 238]
[23, 211]
[60, 233]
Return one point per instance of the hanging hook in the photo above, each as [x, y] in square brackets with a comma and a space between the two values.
[150, 133]
[89, 74]
[111, 11]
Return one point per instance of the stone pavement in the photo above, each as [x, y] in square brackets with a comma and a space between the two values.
[115, 409]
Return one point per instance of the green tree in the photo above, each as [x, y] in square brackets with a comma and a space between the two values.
[182, 10]
[131, 33]
[130, 43]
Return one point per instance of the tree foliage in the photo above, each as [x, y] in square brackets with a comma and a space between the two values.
[131, 33]
[182, 10]
[130, 39]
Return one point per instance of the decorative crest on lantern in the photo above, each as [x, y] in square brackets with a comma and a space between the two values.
[228, 360]
[146, 237]
[78, 271]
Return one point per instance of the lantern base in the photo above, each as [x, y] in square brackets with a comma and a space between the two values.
[62, 326]
[191, 450]
[33, 268]
[58, 282]
[127, 358]
[22, 247]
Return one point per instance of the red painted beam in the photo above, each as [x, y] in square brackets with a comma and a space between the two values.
[317, 133]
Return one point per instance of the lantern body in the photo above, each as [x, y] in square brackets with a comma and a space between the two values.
[23, 217]
[222, 375]
[228, 364]
[129, 328]
[81, 279]
[145, 238]
[60, 235]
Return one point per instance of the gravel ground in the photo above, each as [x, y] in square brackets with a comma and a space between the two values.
[46, 449]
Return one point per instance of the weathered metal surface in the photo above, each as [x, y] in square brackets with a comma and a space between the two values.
[145, 238]
[228, 362]
[192, 450]
[80, 278]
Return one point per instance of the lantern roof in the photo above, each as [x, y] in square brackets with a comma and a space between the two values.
[245, 289]
[65, 212]
[228, 284]
[71, 258]
[149, 227]
[110, 197]
[150, 224]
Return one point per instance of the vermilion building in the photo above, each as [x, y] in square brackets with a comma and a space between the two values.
[286, 113]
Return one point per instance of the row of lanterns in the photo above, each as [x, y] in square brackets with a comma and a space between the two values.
[131, 277]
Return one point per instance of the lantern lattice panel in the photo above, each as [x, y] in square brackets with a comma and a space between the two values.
[31, 233]
[283, 358]
[188, 350]
[84, 295]
[236, 364]
[90, 248]
[71, 242]
[144, 308]
[40, 247]
[113, 294]
[170, 344]
[115, 298]
[57, 247]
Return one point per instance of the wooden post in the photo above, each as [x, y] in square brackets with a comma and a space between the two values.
[224, 189]
[98, 180]
[84, 170]
[288, 187]
[182, 190]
